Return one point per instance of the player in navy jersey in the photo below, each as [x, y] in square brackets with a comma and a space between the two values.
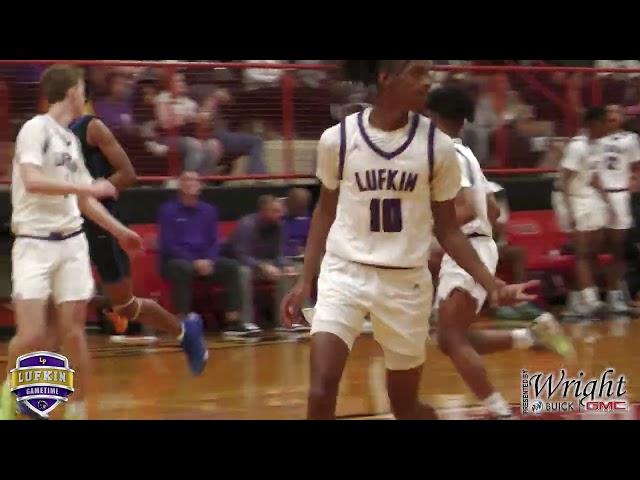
[389, 180]
[105, 158]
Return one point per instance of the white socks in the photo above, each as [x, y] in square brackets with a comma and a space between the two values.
[496, 405]
[522, 338]
[181, 336]
[590, 295]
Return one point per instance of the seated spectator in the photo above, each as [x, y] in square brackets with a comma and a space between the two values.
[115, 111]
[297, 222]
[233, 143]
[189, 249]
[258, 243]
[179, 118]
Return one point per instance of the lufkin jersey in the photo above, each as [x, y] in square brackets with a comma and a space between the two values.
[45, 143]
[386, 184]
[582, 156]
[620, 150]
[472, 177]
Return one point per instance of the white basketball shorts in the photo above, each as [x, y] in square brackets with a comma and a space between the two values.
[398, 301]
[43, 268]
[452, 276]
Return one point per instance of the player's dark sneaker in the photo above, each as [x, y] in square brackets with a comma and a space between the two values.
[194, 343]
[242, 330]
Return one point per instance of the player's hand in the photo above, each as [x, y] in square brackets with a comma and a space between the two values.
[292, 303]
[203, 266]
[506, 295]
[102, 188]
[129, 240]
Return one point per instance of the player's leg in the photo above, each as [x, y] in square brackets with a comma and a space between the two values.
[329, 353]
[587, 243]
[32, 263]
[30, 318]
[459, 299]
[402, 386]
[72, 288]
[188, 332]
[337, 321]
[400, 328]
[71, 319]
[616, 237]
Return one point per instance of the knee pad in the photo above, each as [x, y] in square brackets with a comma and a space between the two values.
[134, 303]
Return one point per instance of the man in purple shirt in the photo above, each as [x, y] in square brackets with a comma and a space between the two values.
[258, 243]
[189, 248]
[297, 222]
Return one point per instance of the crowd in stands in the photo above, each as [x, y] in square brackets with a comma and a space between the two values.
[211, 117]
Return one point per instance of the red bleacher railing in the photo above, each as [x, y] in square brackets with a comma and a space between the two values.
[524, 114]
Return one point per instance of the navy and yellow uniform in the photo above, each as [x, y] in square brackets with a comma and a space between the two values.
[106, 254]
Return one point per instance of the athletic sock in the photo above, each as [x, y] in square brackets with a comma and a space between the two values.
[181, 336]
[522, 338]
[590, 295]
[496, 405]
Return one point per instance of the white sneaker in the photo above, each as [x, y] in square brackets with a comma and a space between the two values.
[617, 303]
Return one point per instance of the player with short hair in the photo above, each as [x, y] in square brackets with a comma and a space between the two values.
[389, 180]
[620, 157]
[105, 158]
[51, 190]
[583, 210]
[459, 297]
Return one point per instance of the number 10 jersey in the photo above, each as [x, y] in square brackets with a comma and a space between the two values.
[386, 184]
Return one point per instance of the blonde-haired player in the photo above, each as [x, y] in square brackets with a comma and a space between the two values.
[51, 190]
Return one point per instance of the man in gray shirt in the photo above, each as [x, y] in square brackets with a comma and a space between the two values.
[258, 243]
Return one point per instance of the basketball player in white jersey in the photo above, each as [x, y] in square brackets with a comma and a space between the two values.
[389, 180]
[51, 189]
[459, 297]
[621, 156]
[583, 211]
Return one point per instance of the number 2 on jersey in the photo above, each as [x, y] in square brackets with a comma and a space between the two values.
[391, 215]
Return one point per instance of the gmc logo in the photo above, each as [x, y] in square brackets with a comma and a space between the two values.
[613, 406]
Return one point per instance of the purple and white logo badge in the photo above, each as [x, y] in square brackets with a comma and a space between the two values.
[41, 381]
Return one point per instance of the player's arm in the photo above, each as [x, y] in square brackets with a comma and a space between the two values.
[493, 211]
[35, 181]
[324, 212]
[31, 147]
[444, 193]
[464, 206]
[99, 135]
[570, 165]
[324, 215]
[95, 211]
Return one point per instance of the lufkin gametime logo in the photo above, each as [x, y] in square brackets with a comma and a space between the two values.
[41, 381]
